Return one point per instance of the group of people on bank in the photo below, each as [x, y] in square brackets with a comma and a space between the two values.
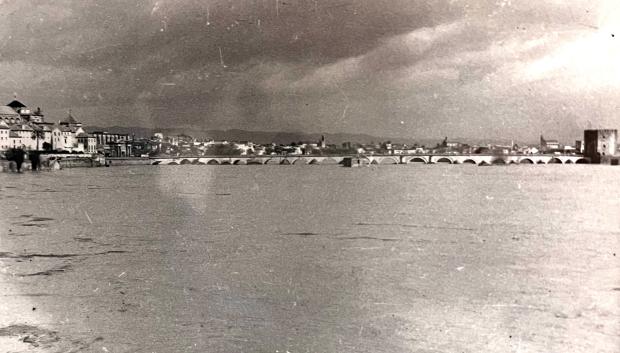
[17, 157]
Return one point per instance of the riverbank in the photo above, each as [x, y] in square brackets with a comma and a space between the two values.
[49, 162]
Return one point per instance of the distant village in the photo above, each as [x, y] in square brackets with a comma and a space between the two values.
[22, 127]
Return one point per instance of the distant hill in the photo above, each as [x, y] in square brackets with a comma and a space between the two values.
[263, 137]
[285, 137]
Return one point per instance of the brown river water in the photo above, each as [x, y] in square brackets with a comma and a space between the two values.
[424, 258]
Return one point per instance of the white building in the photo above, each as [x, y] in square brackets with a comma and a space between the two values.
[27, 139]
[22, 127]
[5, 140]
[64, 138]
[245, 147]
[86, 143]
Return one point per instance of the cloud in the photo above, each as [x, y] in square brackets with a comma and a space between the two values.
[443, 67]
[390, 54]
[588, 62]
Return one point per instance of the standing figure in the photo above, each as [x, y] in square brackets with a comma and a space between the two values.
[35, 160]
[17, 155]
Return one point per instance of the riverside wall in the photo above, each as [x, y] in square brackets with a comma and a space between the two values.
[118, 161]
[55, 162]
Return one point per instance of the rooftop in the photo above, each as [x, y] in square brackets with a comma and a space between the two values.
[21, 127]
[69, 120]
[15, 104]
[6, 110]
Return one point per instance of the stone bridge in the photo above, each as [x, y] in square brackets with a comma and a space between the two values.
[476, 159]
[493, 159]
[240, 160]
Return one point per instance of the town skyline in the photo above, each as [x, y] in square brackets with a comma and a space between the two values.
[387, 68]
[265, 136]
[24, 130]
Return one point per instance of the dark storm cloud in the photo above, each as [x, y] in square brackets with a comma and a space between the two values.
[190, 32]
[387, 67]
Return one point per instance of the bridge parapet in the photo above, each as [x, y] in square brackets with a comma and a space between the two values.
[375, 159]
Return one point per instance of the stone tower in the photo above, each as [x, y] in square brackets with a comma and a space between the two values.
[600, 145]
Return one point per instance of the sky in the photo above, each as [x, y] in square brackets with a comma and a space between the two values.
[507, 69]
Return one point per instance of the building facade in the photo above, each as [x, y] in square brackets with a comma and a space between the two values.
[549, 146]
[579, 146]
[113, 145]
[87, 143]
[5, 140]
[23, 137]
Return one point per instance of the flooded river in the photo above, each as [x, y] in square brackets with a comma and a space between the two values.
[404, 258]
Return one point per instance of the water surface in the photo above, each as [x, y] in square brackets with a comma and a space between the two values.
[404, 258]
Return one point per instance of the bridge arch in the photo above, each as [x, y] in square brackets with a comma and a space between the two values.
[555, 161]
[185, 161]
[300, 161]
[239, 161]
[569, 161]
[272, 161]
[469, 161]
[173, 163]
[540, 161]
[526, 161]
[197, 161]
[285, 162]
[416, 160]
[500, 161]
[582, 161]
[225, 162]
[156, 163]
[388, 160]
[213, 162]
[443, 160]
